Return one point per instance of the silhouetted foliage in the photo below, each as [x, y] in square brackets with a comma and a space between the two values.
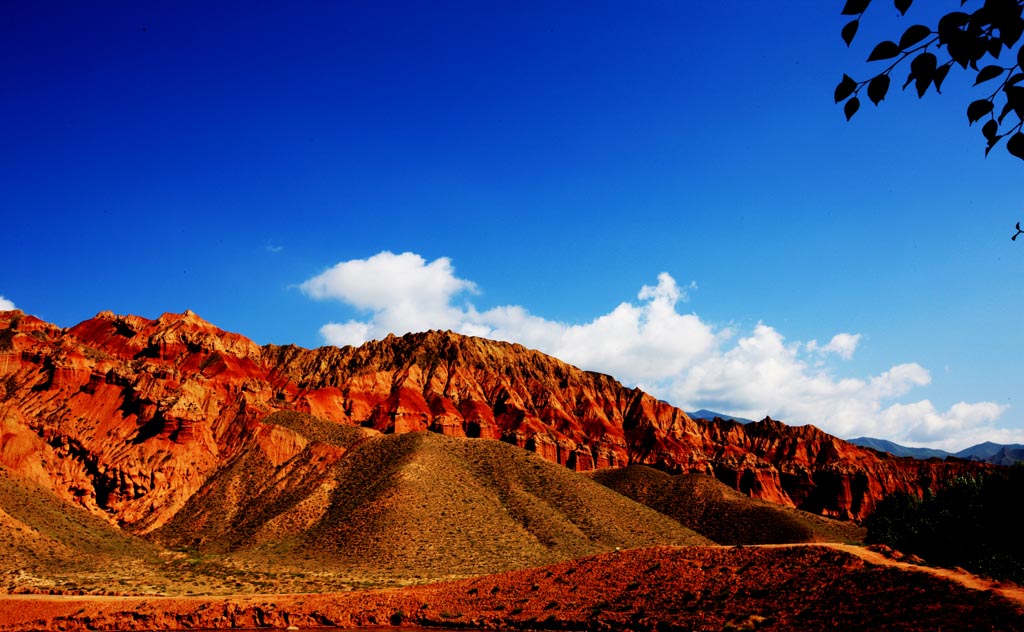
[986, 41]
[973, 523]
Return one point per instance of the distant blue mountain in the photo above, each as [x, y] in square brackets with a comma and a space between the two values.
[898, 450]
[996, 453]
[988, 452]
[704, 413]
[983, 451]
[1000, 454]
[1007, 456]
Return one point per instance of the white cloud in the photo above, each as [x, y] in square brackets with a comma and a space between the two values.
[842, 344]
[343, 334]
[404, 292]
[955, 429]
[6, 304]
[673, 355]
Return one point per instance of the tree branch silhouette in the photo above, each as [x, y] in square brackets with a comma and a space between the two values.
[993, 30]
[962, 38]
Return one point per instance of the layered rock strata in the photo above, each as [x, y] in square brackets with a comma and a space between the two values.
[129, 417]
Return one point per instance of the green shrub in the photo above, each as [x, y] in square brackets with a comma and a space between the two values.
[973, 523]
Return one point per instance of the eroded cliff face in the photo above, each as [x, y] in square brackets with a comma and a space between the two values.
[129, 416]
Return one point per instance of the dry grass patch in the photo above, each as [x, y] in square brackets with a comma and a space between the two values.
[717, 511]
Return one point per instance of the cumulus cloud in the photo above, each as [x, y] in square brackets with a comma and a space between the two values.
[649, 342]
[403, 292]
[952, 430]
[6, 305]
[842, 344]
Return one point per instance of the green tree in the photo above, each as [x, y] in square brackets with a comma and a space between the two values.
[973, 522]
[982, 38]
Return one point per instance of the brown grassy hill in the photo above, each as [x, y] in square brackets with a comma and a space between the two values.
[278, 485]
[412, 506]
[719, 512]
[45, 542]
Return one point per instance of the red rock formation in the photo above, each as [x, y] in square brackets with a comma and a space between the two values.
[129, 416]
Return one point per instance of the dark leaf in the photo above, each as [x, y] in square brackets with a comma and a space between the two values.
[954, 20]
[855, 7]
[940, 76]
[1006, 110]
[910, 79]
[1015, 79]
[913, 35]
[988, 73]
[995, 46]
[990, 131]
[877, 89]
[1016, 145]
[845, 88]
[884, 50]
[950, 25]
[978, 109]
[849, 31]
[903, 5]
[1010, 31]
[1015, 99]
[999, 11]
[978, 47]
[851, 108]
[924, 64]
[922, 68]
[959, 49]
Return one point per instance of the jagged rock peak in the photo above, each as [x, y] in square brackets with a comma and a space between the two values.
[130, 416]
[187, 318]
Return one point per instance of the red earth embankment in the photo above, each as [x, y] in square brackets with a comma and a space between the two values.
[810, 587]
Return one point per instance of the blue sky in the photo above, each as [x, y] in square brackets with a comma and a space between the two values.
[531, 168]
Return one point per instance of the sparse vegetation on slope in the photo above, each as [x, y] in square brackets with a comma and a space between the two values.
[413, 506]
[715, 510]
[805, 588]
[45, 542]
[973, 523]
[319, 430]
[466, 506]
[278, 485]
[49, 545]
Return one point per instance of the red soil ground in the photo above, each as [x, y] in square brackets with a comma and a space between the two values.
[800, 587]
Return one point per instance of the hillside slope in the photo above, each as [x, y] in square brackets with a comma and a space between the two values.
[716, 511]
[415, 504]
[130, 417]
[44, 539]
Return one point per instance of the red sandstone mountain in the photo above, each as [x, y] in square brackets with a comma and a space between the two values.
[131, 417]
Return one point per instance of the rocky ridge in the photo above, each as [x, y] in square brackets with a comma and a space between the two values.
[130, 417]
